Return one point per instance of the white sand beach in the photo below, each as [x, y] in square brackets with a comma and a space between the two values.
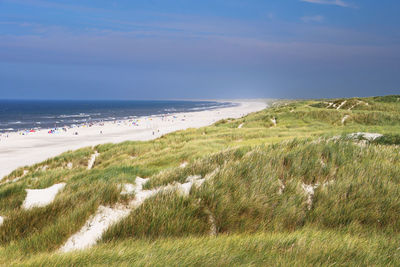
[18, 150]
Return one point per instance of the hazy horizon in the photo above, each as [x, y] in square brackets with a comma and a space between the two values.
[185, 99]
[183, 50]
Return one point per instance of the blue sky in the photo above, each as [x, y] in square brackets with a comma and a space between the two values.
[159, 49]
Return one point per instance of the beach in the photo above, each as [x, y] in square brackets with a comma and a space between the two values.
[18, 150]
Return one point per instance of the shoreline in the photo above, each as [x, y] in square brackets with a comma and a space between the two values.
[18, 150]
[85, 119]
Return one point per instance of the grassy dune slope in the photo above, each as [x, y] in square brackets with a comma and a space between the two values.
[258, 168]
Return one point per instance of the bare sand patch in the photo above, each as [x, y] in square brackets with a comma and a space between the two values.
[273, 120]
[345, 118]
[41, 197]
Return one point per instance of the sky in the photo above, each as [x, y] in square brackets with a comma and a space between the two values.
[192, 49]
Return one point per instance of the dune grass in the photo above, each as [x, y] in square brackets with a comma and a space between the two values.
[254, 192]
[306, 247]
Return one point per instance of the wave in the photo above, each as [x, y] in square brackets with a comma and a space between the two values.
[80, 115]
[211, 107]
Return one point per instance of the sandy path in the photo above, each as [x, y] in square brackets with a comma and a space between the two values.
[105, 217]
[92, 160]
[18, 150]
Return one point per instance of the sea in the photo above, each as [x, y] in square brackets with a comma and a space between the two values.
[17, 115]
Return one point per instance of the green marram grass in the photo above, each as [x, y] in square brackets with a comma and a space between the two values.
[256, 197]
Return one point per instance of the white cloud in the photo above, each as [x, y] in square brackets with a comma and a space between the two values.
[317, 18]
[328, 2]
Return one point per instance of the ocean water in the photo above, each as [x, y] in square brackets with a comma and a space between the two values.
[18, 115]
